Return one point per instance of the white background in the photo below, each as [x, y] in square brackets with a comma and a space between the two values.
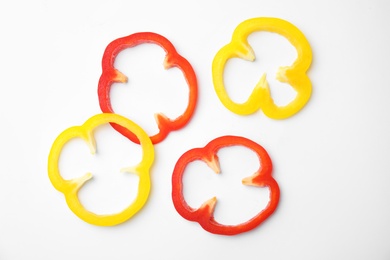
[331, 160]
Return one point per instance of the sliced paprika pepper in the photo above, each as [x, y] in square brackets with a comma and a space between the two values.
[71, 187]
[111, 75]
[204, 215]
[261, 98]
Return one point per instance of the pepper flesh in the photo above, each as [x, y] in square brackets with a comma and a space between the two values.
[204, 215]
[261, 98]
[111, 75]
[71, 187]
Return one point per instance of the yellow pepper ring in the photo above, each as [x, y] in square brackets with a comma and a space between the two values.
[71, 187]
[295, 75]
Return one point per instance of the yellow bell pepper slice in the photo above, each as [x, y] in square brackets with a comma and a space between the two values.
[71, 187]
[261, 98]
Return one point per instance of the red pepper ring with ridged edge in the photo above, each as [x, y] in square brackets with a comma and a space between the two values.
[110, 75]
[204, 214]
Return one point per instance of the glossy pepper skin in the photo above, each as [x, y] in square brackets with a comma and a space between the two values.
[204, 215]
[110, 75]
[71, 187]
[260, 98]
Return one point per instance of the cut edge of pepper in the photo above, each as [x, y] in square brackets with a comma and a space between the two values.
[172, 59]
[71, 187]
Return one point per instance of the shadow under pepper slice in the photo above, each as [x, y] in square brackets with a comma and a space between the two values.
[71, 187]
[261, 98]
[204, 215]
[111, 75]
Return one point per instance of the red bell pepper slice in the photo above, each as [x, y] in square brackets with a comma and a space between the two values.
[204, 215]
[111, 75]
